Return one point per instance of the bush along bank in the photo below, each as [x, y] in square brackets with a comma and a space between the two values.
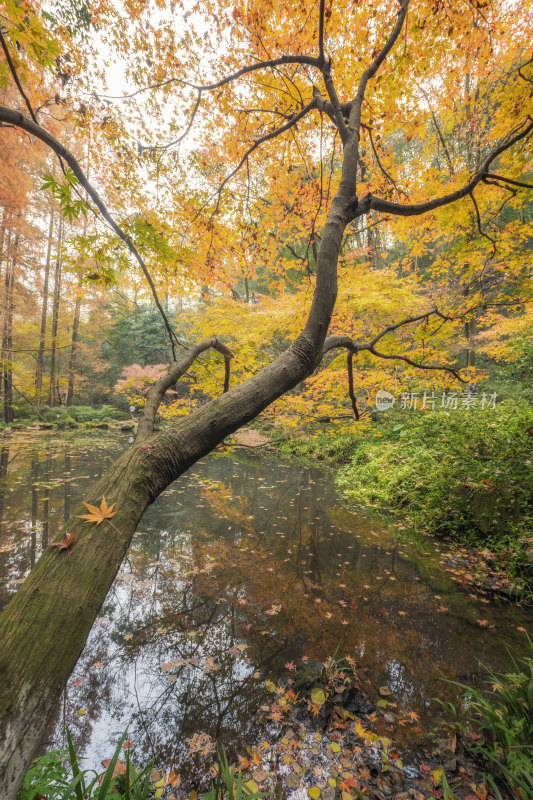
[466, 475]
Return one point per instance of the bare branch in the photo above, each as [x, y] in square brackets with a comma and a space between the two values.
[377, 62]
[439, 132]
[521, 67]
[227, 371]
[416, 364]
[273, 62]
[409, 321]
[508, 180]
[321, 57]
[353, 399]
[368, 129]
[478, 220]
[354, 120]
[346, 342]
[272, 135]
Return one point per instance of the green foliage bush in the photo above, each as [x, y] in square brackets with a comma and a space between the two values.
[89, 414]
[317, 445]
[466, 473]
[80, 414]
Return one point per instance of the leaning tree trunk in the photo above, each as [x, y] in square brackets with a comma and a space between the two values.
[45, 626]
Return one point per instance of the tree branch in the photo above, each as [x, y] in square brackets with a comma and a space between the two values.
[478, 220]
[15, 76]
[508, 180]
[272, 135]
[403, 210]
[439, 132]
[175, 371]
[273, 62]
[321, 57]
[368, 129]
[353, 399]
[346, 342]
[18, 120]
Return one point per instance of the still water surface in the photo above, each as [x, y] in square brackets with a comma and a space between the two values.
[241, 567]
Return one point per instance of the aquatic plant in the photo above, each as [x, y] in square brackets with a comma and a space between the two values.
[496, 726]
[57, 776]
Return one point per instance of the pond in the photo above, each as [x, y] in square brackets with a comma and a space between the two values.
[239, 570]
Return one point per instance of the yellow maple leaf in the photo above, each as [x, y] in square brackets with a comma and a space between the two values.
[98, 515]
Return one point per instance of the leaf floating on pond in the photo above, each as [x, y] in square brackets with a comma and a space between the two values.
[318, 696]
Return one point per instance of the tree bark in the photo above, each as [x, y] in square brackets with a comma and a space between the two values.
[44, 311]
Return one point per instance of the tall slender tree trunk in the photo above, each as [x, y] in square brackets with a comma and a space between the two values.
[7, 334]
[44, 312]
[55, 318]
[74, 344]
[470, 333]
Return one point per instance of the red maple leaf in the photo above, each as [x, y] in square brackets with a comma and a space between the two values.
[64, 544]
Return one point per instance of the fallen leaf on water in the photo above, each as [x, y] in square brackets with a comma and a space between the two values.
[120, 768]
[318, 697]
[437, 776]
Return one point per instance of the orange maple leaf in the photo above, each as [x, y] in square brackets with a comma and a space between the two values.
[98, 515]
[65, 543]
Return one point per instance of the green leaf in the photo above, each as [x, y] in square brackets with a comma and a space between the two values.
[318, 696]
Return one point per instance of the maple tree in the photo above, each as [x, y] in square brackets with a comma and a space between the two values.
[348, 94]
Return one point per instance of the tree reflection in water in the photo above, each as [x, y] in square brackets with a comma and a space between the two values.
[240, 567]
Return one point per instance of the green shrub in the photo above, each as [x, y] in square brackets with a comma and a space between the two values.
[318, 444]
[80, 414]
[466, 473]
[24, 411]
